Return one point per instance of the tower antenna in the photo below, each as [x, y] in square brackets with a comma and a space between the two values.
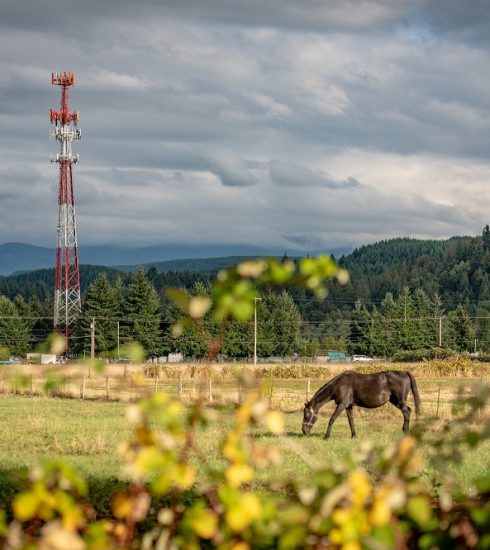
[67, 303]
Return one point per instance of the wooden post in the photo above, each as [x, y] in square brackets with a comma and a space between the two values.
[107, 388]
[82, 391]
[179, 385]
[308, 387]
[240, 397]
[30, 385]
[130, 388]
[210, 390]
[156, 382]
[438, 400]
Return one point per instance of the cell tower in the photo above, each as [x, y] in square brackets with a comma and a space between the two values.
[67, 303]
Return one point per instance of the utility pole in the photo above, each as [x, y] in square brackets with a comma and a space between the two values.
[118, 340]
[440, 332]
[92, 339]
[255, 330]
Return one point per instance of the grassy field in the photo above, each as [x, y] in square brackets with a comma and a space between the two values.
[88, 433]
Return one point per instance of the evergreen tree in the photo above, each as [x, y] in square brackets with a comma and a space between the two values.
[389, 316]
[285, 324]
[102, 304]
[486, 237]
[196, 339]
[405, 325]
[424, 336]
[437, 312]
[13, 330]
[482, 321]
[238, 339]
[141, 310]
[460, 330]
[360, 328]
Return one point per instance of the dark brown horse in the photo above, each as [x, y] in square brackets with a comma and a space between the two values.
[364, 390]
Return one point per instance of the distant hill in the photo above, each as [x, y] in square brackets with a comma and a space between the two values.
[457, 269]
[26, 257]
[201, 265]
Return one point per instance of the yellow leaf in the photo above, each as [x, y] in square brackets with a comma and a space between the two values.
[240, 516]
[121, 506]
[380, 513]
[184, 476]
[275, 422]
[205, 523]
[406, 447]
[236, 474]
[25, 506]
[360, 486]
[341, 516]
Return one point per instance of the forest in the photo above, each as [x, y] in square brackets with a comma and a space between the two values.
[405, 298]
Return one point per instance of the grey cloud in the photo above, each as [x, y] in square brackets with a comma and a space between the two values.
[176, 96]
[231, 170]
[288, 173]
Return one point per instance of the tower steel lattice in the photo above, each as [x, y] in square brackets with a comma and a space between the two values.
[67, 303]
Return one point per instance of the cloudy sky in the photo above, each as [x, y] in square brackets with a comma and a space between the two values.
[316, 124]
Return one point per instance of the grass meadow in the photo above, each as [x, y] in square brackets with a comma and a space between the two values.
[88, 433]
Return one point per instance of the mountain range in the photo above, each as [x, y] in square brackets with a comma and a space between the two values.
[15, 257]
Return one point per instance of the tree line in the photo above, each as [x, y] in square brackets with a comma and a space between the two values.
[403, 294]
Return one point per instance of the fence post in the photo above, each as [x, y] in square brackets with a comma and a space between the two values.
[82, 391]
[156, 382]
[210, 390]
[240, 396]
[308, 387]
[30, 385]
[130, 388]
[107, 388]
[438, 400]
[179, 385]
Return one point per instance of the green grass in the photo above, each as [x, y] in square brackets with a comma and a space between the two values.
[88, 434]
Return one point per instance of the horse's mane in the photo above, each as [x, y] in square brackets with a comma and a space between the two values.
[326, 386]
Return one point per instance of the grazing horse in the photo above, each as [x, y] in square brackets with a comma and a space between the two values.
[365, 390]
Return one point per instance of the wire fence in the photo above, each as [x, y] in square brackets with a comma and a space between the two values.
[438, 396]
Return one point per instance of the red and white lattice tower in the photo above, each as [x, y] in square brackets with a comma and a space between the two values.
[67, 304]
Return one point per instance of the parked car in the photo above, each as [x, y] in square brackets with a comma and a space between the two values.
[361, 359]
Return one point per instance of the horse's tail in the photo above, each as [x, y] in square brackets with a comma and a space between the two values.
[415, 392]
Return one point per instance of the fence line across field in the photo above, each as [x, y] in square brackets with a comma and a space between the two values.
[285, 394]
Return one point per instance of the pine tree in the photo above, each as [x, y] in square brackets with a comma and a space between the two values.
[482, 322]
[360, 328]
[101, 303]
[285, 324]
[389, 316]
[460, 330]
[141, 310]
[424, 336]
[13, 330]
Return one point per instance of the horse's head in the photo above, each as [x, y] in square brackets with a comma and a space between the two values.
[310, 416]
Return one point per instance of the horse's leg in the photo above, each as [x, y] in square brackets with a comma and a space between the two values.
[337, 411]
[350, 416]
[402, 405]
[406, 417]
